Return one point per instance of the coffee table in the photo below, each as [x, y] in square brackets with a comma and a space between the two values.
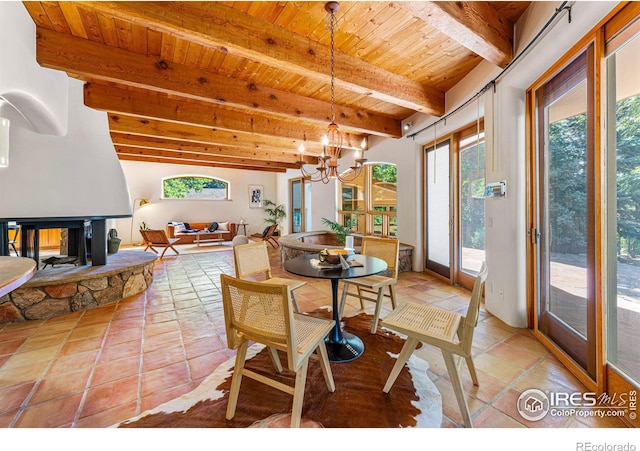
[217, 237]
[341, 346]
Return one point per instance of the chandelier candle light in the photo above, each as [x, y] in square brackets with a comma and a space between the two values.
[332, 141]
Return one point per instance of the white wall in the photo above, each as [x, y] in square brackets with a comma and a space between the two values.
[145, 181]
[62, 162]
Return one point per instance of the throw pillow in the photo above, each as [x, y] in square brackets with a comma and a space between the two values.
[187, 226]
[264, 232]
[213, 227]
[223, 226]
[178, 227]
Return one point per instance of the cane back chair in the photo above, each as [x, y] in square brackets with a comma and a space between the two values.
[252, 259]
[372, 288]
[256, 312]
[437, 327]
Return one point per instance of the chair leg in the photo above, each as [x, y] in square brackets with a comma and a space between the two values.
[298, 394]
[360, 297]
[163, 251]
[376, 316]
[241, 355]
[175, 250]
[343, 300]
[472, 369]
[457, 388]
[408, 348]
[152, 248]
[392, 295]
[273, 353]
[296, 307]
[326, 367]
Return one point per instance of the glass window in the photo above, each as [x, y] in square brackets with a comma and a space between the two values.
[368, 204]
[194, 187]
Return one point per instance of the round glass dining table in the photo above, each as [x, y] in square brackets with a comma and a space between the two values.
[341, 346]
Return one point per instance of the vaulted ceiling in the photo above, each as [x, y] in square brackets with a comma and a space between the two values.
[242, 84]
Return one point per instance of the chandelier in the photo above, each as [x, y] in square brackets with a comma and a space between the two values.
[332, 141]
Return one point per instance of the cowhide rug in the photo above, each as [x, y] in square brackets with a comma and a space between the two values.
[358, 401]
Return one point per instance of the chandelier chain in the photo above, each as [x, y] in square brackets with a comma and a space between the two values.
[332, 142]
[332, 31]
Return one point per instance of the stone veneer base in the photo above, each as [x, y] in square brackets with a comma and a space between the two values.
[65, 289]
[292, 246]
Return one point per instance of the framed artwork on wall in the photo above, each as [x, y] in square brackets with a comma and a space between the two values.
[255, 196]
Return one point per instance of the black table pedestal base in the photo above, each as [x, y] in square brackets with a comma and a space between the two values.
[348, 348]
[341, 346]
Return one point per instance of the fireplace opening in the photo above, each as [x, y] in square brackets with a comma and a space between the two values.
[86, 238]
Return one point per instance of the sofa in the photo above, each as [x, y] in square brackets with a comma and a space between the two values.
[185, 231]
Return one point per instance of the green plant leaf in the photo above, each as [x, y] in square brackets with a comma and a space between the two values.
[337, 228]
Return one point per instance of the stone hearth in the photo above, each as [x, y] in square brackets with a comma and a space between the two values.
[65, 289]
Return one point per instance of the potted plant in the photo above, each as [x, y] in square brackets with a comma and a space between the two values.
[337, 228]
[275, 213]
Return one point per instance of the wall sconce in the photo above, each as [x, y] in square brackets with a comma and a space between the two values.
[4, 142]
[407, 125]
[142, 202]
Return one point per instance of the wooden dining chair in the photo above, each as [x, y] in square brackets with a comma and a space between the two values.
[255, 312]
[372, 288]
[437, 327]
[268, 235]
[252, 259]
[158, 238]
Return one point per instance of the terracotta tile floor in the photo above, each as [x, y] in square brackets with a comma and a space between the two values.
[102, 366]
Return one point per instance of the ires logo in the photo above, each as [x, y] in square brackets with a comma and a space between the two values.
[534, 404]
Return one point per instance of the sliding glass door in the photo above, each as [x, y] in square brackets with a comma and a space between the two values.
[471, 184]
[439, 216]
[566, 211]
[623, 206]
[300, 195]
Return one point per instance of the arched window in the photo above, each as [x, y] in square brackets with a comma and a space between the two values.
[194, 187]
[368, 204]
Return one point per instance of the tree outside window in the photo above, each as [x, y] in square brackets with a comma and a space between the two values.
[368, 204]
[195, 187]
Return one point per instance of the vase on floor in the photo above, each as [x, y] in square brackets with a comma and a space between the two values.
[113, 242]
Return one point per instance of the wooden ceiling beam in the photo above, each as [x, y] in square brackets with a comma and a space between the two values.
[149, 142]
[194, 134]
[127, 157]
[212, 24]
[195, 156]
[475, 25]
[153, 104]
[89, 59]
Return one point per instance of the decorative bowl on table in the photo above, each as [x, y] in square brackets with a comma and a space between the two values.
[330, 257]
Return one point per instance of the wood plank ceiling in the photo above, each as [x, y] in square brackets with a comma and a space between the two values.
[242, 84]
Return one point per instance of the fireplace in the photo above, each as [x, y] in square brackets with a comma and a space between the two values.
[78, 230]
